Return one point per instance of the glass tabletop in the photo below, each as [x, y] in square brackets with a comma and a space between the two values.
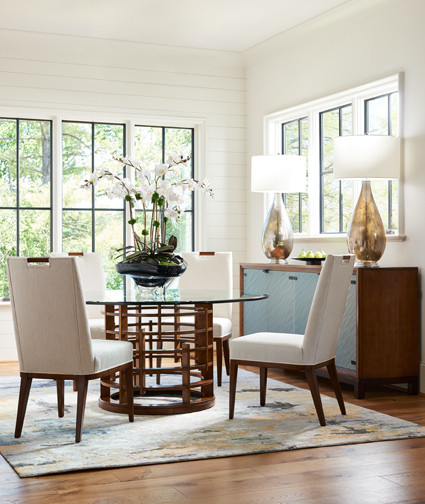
[169, 297]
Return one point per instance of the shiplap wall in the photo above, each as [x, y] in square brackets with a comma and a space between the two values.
[91, 79]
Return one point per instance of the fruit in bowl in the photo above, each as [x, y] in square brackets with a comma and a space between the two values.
[319, 254]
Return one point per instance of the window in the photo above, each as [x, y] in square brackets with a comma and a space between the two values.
[154, 145]
[42, 206]
[25, 190]
[91, 221]
[327, 206]
[381, 118]
[336, 196]
[295, 141]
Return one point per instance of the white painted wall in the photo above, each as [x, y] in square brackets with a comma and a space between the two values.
[334, 54]
[82, 78]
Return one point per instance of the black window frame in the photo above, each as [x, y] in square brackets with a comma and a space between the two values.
[192, 174]
[300, 200]
[323, 173]
[389, 132]
[18, 207]
[93, 208]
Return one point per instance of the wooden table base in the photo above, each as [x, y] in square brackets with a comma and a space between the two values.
[182, 334]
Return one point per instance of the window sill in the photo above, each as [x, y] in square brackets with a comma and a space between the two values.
[339, 238]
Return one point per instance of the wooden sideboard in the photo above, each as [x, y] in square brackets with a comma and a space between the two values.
[379, 338]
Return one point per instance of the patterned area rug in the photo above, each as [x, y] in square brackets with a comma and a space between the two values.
[287, 422]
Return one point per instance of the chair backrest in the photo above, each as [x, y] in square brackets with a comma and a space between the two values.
[209, 271]
[327, 310]
[92, 276]
[49, 316]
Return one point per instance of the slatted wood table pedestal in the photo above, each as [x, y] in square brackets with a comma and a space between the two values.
[172, 339]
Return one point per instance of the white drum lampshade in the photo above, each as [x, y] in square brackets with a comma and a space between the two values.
[278, 174]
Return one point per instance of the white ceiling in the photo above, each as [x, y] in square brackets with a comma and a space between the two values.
[229, 25]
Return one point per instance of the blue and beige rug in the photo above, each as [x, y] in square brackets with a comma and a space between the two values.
[287, 422]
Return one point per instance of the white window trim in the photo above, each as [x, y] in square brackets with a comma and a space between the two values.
[272, 144]
[130, 120]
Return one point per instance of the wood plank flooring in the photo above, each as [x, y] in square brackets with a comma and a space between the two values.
[375, 473]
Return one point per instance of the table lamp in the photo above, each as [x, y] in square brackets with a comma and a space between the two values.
[366, 157]
[278, 174]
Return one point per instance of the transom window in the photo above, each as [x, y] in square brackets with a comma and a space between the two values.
[327, 205]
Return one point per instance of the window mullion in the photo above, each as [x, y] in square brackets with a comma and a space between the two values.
[57, 192]
[129, 152]
[314, 173]
[18, 136]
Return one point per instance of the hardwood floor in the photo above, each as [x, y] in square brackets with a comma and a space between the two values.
[384, 472]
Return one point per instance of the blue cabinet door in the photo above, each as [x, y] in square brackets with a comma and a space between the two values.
[280, 304]
[305, 287]
[255, 313]
[346, 350]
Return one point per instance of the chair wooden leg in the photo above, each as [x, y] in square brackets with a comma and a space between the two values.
[232, 391]
[226, 355]
[335, 382]
[82, 385]
[129, 390]
[60, 388]
[310, 373]
[219, 354]
[263, 385]
[24, 393]
[74, 385]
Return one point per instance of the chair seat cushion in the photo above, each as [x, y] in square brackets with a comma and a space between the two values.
[221, 327]
[111, 353]
[97, 328]
[268, 347]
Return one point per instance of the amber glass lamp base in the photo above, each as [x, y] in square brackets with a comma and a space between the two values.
[366, 233]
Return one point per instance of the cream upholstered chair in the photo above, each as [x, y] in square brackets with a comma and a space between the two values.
[52, 333]
[213, 270]
[93, 279]
[314, 349]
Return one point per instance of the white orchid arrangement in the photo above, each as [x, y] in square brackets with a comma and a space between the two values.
[168, 199]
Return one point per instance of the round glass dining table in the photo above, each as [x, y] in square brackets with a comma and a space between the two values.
[172, 337]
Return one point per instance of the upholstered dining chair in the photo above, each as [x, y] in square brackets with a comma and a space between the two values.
[92, 279]
[209, 271]
[52, 334]
[307, 352]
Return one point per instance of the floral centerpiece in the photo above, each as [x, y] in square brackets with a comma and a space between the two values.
[151, 259]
